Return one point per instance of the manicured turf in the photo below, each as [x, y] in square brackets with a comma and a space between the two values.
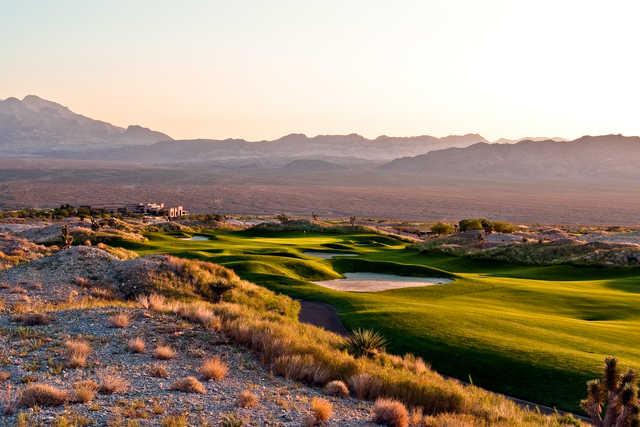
[536, 333]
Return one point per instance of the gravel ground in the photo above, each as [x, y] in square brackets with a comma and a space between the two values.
[36, 354]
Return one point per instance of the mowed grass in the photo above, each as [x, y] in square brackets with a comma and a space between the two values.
[537, 333]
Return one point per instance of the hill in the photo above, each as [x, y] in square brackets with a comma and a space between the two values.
[605, 157]
[34, 125]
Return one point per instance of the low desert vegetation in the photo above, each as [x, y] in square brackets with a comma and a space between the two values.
[158, 371]
[442, 228]
[213, 369]
[390, 413]
[33, 319]
[120, 320]
[247, 399]
[365, 342]
[613, 400]
[164, 352]
[111, 383]
[85, 391]
[136, 345]
[189, 385]
[77, 352]
[336, 388]
[322, 409]
[39, 394]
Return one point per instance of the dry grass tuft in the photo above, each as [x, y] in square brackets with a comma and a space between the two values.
[157, 302]
[38, 394]
[77, 353]
[4, 376]
[189, 385]
[143, 301]
[337, 388]
[120, 320]
[85, 391]
[365, 386]
[390, 413]
[213, 369]
[158, 371]
[247, 399]
[175, 421]
[83, 282]
[164, 352]
[136, 345]
[112, 383]
[322, 409]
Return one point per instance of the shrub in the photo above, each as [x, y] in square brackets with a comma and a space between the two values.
[164, 352]
[322, 409]
[42, 395]
[4, 376]
[442, 228]
[189, 385]
[136, 345]
[247, 399]
[84, 391]
[337, 388]
[503, 227]
[390, 413]
[471, 224]
[231, 420]
[158, 371]
[112, 383]
[365, 386]
[365, 342]
[175, 421]
[213, 369]
[156, 302]
[120, 320]
[77, 353]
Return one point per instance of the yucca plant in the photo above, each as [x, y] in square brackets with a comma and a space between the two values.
[613, 401]
[365, 342]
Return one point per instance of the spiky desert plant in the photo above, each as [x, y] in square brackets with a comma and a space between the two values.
[365, 342]
[613, 401]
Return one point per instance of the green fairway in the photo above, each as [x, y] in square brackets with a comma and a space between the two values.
[536, 333]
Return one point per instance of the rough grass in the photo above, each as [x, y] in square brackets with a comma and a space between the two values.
[189, 385]
[247, 399]
[111, 383]
[213, 369]
[390, 413]
[164, 352]
[120, 320]
[77, 353]
[336, 388]
[38, 394]
[136, 345]
[322, 409]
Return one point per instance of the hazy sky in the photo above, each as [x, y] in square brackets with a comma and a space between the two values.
[262, 69]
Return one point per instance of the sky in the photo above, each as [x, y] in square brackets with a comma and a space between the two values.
[263, 69]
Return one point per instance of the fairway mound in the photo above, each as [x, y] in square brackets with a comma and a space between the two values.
[377, 282]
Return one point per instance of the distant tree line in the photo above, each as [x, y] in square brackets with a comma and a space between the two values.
[470, 224]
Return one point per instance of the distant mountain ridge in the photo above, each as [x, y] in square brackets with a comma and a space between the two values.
[35, 125]
[589, 157]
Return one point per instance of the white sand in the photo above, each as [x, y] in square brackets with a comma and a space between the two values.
[376, 282]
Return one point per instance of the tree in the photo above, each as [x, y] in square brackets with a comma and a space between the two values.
[352, 220]
[442, 228]
[470, 224]
[613, 400]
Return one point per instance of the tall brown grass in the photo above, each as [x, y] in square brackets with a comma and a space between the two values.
[213, 369]
[77, 352]
[38, 394]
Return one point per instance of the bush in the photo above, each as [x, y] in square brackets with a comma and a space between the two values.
[470, 224]
[247, 399]
[164, 352]
[213, 369]
[77, 353]
[111, 383]
[189, 385]
[365, 342]
[503, 227]
[38, 394]
[442, 228]
[136, 345]
[336, 388]
[322, 409]
[390, 413]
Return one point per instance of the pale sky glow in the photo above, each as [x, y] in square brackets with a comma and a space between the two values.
[262, 69]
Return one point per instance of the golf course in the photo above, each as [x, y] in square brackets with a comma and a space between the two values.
[532, 332]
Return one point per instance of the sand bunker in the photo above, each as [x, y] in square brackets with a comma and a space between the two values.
[376, 282]
[198, 238]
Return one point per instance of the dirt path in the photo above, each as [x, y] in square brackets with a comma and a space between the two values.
[322, 315]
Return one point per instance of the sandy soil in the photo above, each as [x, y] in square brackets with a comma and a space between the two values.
[375, 282]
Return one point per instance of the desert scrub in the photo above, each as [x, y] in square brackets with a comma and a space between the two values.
[247, 399]
[164, 352]
[189, 385]
[365, 342]
[77, 353]
[42, 395]
[390, 413]
[213, 369]
[120, 320]
[136, 345]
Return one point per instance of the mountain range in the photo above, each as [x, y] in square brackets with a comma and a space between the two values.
[36, 126]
